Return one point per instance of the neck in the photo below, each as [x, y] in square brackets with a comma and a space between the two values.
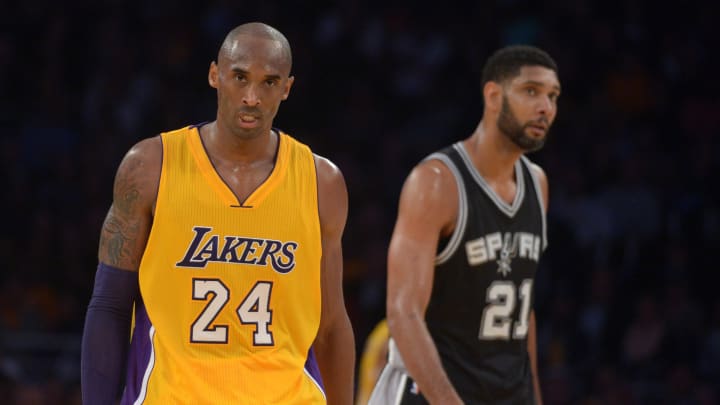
[493, 154]
[221, 143]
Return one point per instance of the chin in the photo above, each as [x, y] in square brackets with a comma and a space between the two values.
[247, 133]
[534, 146]
[530, 143]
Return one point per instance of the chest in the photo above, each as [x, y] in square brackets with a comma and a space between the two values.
[244, 179]
[504, 191]
[499, 238]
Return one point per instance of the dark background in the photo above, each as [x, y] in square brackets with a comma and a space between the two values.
[627, 294]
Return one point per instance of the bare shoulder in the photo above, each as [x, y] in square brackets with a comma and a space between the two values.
[332, 196]
[144, 154]
[430, 185]
[430, 188]
[127, 224]
[328, 173]
[150, 148]
[138, 175]
[433, 176]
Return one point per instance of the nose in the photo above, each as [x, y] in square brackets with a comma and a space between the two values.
[251, 98]
[546, 106]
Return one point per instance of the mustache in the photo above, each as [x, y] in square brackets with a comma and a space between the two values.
[541, 120]
[250, 111]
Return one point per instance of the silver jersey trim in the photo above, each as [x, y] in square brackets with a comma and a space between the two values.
[541, 201]
[507, 209]
[459, 230]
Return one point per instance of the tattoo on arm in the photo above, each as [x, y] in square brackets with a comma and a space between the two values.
[122, 230]
[117, 241]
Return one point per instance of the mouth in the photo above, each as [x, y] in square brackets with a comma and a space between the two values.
[248, 120]
[538, 128]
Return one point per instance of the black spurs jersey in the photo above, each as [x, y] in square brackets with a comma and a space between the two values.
[483, 287]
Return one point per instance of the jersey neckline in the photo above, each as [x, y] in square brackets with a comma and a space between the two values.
[508, 209]
[257, 196]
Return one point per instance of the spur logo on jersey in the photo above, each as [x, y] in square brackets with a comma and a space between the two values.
[503, 249]
[206, 247]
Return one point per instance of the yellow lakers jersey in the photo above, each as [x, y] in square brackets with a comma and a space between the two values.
[230, 290]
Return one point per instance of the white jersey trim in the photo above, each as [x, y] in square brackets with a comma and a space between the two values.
[391, 383]
[541, 202]
[401, 389]
[151, 364]
[317, 384]
[459, 230]
[507, 209]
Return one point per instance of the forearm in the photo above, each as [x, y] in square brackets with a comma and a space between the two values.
[103, 360]
[335, 352]
[106, 335]
[422, 359]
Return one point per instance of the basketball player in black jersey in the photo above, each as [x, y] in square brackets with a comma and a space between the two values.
[465, 248]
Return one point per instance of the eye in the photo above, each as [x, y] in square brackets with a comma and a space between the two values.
[270, 83]
[531, 91]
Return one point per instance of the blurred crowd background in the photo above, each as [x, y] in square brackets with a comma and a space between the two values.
[627, 298]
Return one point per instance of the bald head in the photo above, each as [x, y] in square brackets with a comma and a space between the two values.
[256, 30]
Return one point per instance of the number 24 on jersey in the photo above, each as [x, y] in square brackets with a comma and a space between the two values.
[254, 310]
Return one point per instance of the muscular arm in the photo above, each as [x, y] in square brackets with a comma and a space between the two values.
[335, 342]
[127, 224]
[532, 331]
[428, 205]
[122, 242]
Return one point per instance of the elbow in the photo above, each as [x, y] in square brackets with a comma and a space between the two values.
[400, 315]
[393, 312]
[333, 326]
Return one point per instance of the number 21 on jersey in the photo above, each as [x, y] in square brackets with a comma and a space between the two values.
[254, 310]
[497, 319]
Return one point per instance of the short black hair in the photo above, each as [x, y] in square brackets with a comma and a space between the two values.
[505, 63]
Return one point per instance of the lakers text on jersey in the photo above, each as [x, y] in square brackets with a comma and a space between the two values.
[230, 289]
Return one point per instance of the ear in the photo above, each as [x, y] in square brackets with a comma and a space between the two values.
[288, 85]
[213, 75]
[492, 95]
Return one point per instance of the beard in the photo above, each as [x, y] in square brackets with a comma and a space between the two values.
[511, 127]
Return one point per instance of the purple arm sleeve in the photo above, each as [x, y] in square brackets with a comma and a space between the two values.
[106, 336]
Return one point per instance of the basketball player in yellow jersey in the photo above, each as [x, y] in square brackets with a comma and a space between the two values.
[225, 239]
